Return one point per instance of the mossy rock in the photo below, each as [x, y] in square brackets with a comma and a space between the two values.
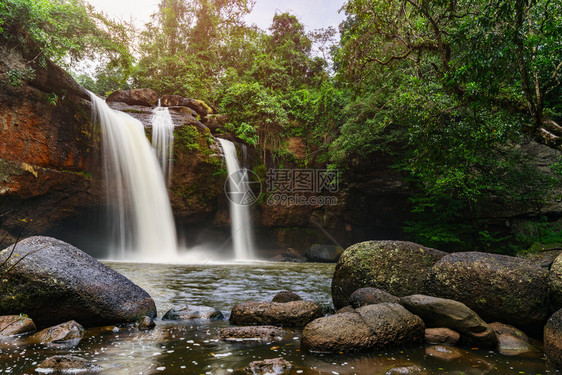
[398, 267]
[497, 287]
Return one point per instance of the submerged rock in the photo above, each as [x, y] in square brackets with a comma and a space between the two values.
[189, 312]
[373, 326]
[398, 267]
[288, 314]
[67, 364]
[370, 296]
[441, 336]
[62, 332]
[511, 341]
[286, 296]
[252, 333]
[323, 253]
[275, 366]
[441, 312]
[444, 352]
[11, 325]
[146, 323]
[55, 282]
[497, 287]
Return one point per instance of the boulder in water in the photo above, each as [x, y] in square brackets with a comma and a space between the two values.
[190, 312]
[11, 325]
[286, 296]
[68, 331]
[288, 314]
[323, 253]
[511, 341]
[441, 312]
[144, 97]
[370, 327]
[398, 267]
[497, 287]
[252, 333]
[67, 364]
[441, 336]
[371, 296]
[275, 366]
[54, 282]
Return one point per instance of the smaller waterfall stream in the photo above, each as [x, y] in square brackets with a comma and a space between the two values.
[163, 139]
[238, 184]
[135, 187]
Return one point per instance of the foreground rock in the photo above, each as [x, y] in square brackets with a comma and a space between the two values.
[511, 341]
[323, 253]
[553, 340]
[497, 287]
[11, 325]
[65, 364]
[190, 312]
[440, 312]
[288, 314]
[398, 267]
[370, 296]
[253, 333]
[370, 327]
[55, 282]
[286, 296]
[63, 332]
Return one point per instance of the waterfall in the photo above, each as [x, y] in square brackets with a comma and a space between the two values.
[143, 220]
[163, 139]
[241, 226]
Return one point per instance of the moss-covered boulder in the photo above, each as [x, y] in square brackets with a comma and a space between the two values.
[54, 282]
[398, 267]
[553, 340]
[497, 287]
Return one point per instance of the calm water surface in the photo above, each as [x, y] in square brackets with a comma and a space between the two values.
[179, 348]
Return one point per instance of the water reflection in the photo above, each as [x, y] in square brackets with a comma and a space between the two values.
[176, 348]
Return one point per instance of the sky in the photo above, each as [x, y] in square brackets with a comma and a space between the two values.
[313, 14]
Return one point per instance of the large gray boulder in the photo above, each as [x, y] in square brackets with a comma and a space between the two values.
[398, 267]
[497, 287]
[369, 327]
[441, 312]
[285, 314]
[371, 296]
[54, 282]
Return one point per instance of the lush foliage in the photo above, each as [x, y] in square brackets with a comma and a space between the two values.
[453, 91]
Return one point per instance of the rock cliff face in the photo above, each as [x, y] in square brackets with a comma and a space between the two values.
[49, 160]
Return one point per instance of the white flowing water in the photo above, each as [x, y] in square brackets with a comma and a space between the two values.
[163, 139]
[142, 216]
[238, 185]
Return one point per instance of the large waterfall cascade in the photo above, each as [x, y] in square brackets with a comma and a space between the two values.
[142, 215]
[163, 139]
[238, 183]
